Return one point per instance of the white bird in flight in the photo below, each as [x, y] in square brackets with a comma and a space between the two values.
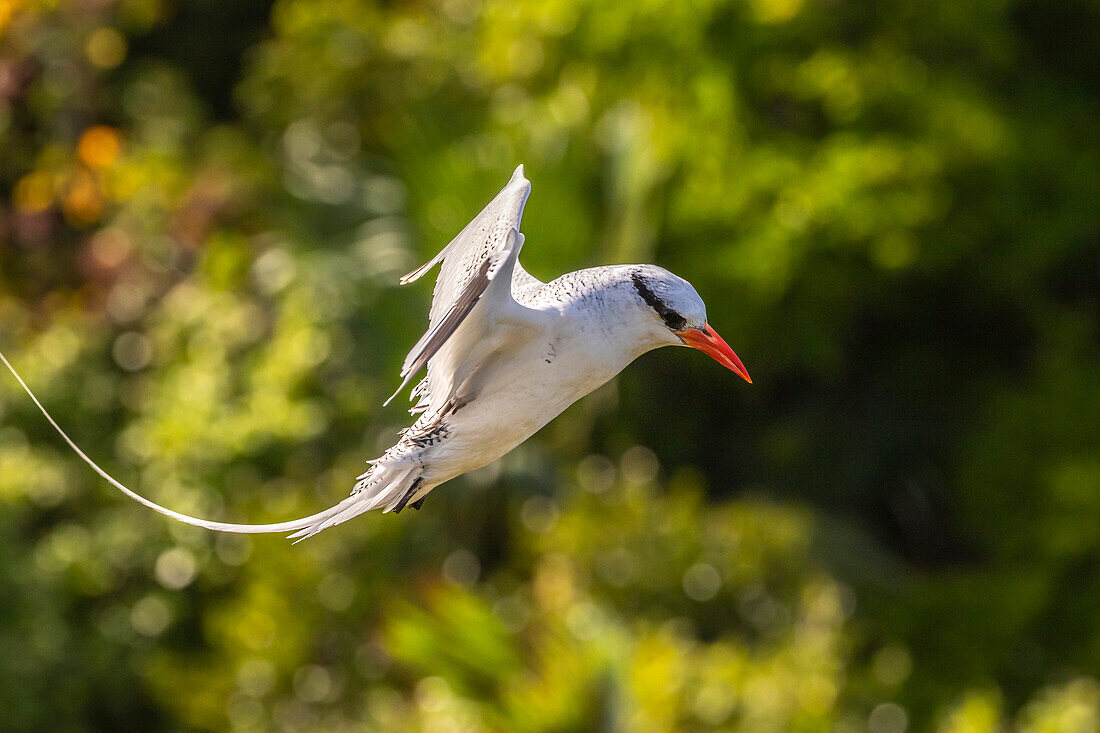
[505, 354]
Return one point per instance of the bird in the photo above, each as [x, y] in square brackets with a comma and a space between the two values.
[504, 354]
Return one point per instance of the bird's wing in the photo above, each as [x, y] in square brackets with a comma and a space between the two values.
[484, 252]
[477, 267]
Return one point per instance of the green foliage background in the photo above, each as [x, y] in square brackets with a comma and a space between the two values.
[891, 209]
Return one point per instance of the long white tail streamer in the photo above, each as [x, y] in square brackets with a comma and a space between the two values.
[294, 525]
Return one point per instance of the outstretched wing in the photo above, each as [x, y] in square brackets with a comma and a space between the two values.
[482, 254]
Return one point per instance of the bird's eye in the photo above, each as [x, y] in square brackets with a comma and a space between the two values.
[672, 319]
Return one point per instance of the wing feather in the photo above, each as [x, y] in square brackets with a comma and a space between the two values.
[438, 334]
[486, 248]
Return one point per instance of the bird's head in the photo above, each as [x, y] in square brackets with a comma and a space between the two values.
[679, 311]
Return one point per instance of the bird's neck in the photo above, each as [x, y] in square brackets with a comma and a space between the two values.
[606, 305]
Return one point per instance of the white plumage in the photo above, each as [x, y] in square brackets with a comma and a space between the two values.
[505, 354]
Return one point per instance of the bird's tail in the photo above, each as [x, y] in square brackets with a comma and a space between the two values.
[376, 488]
[386, 486]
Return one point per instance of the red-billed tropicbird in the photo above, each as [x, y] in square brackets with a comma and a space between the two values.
[505, 354]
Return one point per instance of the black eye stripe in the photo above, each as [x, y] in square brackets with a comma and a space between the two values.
[672, 319]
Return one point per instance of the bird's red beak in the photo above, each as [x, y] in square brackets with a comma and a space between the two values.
[707, 340]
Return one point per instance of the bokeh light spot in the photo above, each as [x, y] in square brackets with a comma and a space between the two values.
[596, 474]
[539, 514]
[887, 717]
[175, 568]
[583, 620]
[126, 301]
[34, 192]
[256, 676]
[714, 702]
[150, 616]
[702, 581]
[639, 465]
[99, 147]
[132, 351]
[111, 246]
[313, 683]
[892, 665]
[462, 567]
[106, 48]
